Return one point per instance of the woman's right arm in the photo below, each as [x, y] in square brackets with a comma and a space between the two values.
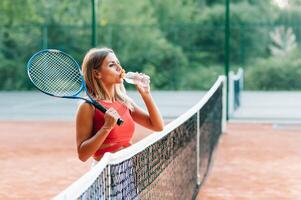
[87, 144]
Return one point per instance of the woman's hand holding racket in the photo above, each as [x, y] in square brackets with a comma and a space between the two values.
[111, 117]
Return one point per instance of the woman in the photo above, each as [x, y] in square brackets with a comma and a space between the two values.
[97, 133]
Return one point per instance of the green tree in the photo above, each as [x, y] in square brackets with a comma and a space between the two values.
[275, 73]
[173, 41]
[140, 43]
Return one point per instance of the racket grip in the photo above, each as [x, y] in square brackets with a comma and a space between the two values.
[119, 121]
[103, 110]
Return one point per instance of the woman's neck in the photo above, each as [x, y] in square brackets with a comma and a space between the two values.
[110, 90]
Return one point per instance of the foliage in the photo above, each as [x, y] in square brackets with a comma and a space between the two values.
[284, 41]
[11, 76]
[291, 18]
[275, 73]
[211, 35]
[140, 44]
[202, 77]
[179, 43]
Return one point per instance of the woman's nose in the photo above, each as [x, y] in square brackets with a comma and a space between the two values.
[119, 68]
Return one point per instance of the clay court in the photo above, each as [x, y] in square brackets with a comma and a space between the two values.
[253, 161]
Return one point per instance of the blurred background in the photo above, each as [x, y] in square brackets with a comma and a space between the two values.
[180, 44]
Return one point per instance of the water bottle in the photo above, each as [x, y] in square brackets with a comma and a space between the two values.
[137, 79]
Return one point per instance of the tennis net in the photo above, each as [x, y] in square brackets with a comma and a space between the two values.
[171, 164]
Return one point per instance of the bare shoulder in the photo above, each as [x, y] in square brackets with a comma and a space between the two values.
[85, 108]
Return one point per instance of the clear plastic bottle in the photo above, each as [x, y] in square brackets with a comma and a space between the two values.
[137, 79]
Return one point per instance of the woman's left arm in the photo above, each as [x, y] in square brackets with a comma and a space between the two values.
[153, 120]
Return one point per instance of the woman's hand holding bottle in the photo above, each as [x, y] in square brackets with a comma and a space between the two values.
[142, 81]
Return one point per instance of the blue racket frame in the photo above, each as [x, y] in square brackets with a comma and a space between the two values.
[83, 83]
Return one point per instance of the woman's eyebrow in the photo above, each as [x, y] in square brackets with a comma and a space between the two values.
[113, 61]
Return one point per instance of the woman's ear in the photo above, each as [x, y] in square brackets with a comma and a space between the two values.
[97, 74]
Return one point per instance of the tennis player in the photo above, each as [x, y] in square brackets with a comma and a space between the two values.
[98, 133]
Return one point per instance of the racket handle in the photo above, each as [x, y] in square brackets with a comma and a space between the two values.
[119, 121]
[103, 110]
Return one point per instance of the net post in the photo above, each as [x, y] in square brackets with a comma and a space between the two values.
[231, 93]
[241, 78]
[198, 149]
[224, 110]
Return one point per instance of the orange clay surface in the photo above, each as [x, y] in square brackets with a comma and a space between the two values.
[253, 161]
[256, 161]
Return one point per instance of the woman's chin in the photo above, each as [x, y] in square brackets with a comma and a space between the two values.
[119, 81]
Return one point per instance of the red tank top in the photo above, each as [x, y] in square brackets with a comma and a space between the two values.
[120, 136]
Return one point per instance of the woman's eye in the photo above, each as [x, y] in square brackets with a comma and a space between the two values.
[111, 65]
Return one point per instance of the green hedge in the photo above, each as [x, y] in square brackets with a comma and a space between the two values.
[275, 73]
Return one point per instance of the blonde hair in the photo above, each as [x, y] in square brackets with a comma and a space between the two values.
[93, 61]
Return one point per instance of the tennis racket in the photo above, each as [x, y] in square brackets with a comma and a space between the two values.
[57, 74]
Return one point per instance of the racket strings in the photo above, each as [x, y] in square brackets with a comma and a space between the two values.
[44, 78]
[56, 74]
[38, 74]
[74, 74]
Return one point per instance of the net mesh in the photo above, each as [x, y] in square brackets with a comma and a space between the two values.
[97, 188]
[210, 130]
[55, 73]
[171, 164]
[151, 174]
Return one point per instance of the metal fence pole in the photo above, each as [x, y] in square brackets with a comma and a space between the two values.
[227, 39]
[93, 24]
